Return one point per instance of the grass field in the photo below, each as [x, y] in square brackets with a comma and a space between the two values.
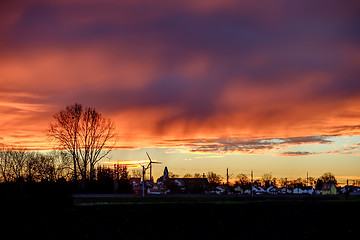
[186, 218]
[110, 199]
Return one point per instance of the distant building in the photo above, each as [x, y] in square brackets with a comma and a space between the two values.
[350, 189]
[285, 190]
[304, 190]
[222, 189]
[258, 190]
[157, 189]
[166, 174]
[136, 185]
[328, 189]
[182, 185]
[239, 190]
[273, 190]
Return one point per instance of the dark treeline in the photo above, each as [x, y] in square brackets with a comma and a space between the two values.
[20, 165]
[26, 173]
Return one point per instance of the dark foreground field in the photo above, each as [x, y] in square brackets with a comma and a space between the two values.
[182, 219]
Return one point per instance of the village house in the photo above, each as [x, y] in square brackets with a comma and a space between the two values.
[157, 189]
[258, 190]
[304, 190]
[352, 190]
[328, 189]
[222, 189]
[240, 190]
[297, 191]
[285, 190]
[272, 190]
[183, 185]
[310, 190]
[136, 185]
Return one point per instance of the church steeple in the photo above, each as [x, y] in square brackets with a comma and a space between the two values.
[166, 174]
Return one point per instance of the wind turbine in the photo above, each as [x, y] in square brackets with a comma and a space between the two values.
[144, 171]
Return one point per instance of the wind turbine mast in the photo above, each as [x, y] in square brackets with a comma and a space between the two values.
[150, 165]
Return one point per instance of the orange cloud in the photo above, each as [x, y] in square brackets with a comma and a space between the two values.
[181, 70]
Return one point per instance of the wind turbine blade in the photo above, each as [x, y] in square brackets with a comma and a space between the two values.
[148, 157]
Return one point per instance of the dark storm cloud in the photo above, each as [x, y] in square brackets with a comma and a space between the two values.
[307, 139]
[297, 153]
[224, 145]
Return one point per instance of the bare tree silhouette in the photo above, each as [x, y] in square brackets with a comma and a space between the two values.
[86, 135]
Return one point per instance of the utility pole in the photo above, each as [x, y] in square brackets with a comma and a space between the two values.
[307, 179]
[150, 172]
[227, 176]
[252, 180]
[143, 183]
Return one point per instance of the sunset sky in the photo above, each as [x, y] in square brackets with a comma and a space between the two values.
[202, 85]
